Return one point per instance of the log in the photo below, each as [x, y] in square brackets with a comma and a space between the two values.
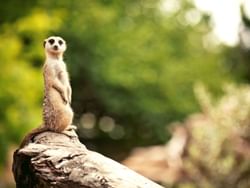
[58, 161]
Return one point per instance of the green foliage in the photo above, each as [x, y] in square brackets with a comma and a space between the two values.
[137, 63]
[217, 154]
[132, 60]
[20, 80]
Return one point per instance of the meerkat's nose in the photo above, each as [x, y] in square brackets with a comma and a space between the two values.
[55, 47]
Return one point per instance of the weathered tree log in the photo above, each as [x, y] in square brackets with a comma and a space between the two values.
[58, 161]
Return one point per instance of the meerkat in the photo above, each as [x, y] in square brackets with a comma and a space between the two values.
[57, 112]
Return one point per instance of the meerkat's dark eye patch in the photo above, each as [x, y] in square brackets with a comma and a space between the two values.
[51, 41]
[60, 42]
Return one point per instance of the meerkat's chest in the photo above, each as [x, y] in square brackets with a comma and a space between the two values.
[58, 67]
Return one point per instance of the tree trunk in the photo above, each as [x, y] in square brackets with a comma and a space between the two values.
[55, 160]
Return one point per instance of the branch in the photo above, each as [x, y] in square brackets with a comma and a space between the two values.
[58, 161]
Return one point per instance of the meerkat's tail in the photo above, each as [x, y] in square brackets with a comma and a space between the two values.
[32, 134]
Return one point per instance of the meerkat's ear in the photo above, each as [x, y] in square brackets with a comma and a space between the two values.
[44, 42]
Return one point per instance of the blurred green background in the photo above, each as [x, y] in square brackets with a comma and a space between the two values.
[133, 65]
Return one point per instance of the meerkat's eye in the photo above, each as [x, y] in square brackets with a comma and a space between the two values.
[60, 42]
[51, 41]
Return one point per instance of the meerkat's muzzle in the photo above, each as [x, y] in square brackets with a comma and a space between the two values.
[55, 47]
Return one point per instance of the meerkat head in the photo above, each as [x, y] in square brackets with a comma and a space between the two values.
[54, 46]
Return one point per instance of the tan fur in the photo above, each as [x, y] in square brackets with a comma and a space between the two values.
[57, 112]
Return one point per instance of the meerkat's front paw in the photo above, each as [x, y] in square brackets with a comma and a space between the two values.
[71, 127]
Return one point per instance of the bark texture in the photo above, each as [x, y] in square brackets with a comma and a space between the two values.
[53, 160]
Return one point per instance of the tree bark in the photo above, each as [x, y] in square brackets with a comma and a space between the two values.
[55, 160]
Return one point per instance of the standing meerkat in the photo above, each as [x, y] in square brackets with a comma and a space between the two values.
[57, 112]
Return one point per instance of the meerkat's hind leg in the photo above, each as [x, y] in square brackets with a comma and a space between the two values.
[70, 131]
